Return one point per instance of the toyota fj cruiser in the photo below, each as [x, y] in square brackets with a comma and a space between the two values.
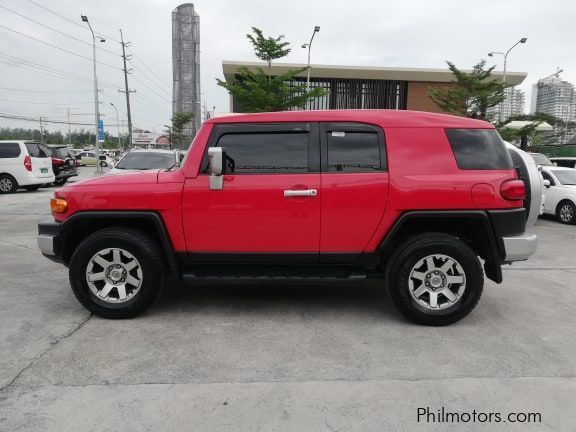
[420, 200]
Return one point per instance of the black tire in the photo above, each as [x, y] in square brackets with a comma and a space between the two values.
[142, 247]
[61, 181]
[412, 252]
[32, 188]
[8, 184]
[566, 212]
[103, 164]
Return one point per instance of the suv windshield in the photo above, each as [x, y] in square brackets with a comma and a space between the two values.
[146, 161]
[566, 177]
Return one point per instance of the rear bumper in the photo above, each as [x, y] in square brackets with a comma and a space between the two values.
[30, 180]
[49, 240]
[520, 247]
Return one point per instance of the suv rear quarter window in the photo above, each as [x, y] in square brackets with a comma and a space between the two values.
[36, 150]
[9, 150]
[479, 149]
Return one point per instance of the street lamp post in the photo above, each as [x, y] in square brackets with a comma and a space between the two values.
[309, 46]
[505, 55]
[117, 125]
[96, 109]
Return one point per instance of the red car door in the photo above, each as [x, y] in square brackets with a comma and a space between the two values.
[354, 188]
[269, 205]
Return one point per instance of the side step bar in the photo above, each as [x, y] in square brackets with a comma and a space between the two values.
[264, 279]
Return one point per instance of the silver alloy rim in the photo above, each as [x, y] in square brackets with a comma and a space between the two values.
[114, 275]
[437, 282]
[5, 184]
[566, 213]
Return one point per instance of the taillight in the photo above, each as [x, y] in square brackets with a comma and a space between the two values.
[28, 163]
[513, 190]
[57, 162]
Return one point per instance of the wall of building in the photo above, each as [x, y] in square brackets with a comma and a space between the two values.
[418, 99]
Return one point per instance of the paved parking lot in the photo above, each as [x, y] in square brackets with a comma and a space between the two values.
[278, 358]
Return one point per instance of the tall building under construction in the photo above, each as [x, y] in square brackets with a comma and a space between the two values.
[186, 67]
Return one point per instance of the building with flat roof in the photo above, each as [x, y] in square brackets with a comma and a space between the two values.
[555, 97]
[513, 104]
[366, 87]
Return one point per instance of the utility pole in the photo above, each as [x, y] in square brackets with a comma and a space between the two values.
[41, 131]
[127, 91]
[96, 106]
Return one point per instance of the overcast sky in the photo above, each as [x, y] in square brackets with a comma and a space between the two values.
[407, 33]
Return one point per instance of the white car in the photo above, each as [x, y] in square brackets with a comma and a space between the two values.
[24, 164]
[560, 191]
[138, 160]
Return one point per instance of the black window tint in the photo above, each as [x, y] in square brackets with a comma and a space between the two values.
[9, 150]
[353, 151]
[37, 150]
[479, 149]
[59, 152]
[263, 153]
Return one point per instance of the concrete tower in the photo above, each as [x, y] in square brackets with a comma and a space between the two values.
[186, 67]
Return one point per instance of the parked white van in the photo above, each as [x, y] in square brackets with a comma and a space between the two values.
[24, 164]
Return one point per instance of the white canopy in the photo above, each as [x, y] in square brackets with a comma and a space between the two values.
[519, 124]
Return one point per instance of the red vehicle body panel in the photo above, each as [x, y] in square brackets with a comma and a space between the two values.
[351, 213]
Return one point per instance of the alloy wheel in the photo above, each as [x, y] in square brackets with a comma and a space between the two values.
[114, 275]
[566, 213]
[437, 282]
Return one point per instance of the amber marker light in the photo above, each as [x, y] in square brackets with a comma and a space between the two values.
[58, 205]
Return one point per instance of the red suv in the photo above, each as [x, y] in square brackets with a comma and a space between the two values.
[414, 199]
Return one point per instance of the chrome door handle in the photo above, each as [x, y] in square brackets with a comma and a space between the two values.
[300, 193]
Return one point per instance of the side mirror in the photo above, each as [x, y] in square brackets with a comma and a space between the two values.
[546, 183]
[216, 156]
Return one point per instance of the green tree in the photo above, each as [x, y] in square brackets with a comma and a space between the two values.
[268, 48]
[257, 91]
[179, 122]
[472, 94]
[528, 133]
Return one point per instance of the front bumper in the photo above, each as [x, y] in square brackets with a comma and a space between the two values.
[49, 240]
[520, 247]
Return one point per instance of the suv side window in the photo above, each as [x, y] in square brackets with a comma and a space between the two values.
[262, 149]
[9, 150]
[479, 149]
[353, 147]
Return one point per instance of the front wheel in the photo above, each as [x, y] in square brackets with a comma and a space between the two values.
[566, 212]
[436, 279]
[116, 272]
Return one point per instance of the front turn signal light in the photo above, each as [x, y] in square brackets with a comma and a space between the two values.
[58, 205]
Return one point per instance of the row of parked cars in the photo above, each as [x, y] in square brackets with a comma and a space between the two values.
[31, 165]
[559, 176]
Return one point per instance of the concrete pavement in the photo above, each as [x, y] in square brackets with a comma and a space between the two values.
[279, 358]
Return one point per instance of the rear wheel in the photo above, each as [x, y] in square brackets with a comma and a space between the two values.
[32, 188]
[566, 212]
[436, 279]
[8, 184]
[61, 181]
[116, 273]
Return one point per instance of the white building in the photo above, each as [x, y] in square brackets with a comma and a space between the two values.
[513, 104]
[555, 97]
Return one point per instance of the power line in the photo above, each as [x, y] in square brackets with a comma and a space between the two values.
[68, 19]
[57, 31]
[162, 80]
[57, 47]
[46, 103]
[151, 89]
[46, 120]
[44, 91]
[50, 71]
